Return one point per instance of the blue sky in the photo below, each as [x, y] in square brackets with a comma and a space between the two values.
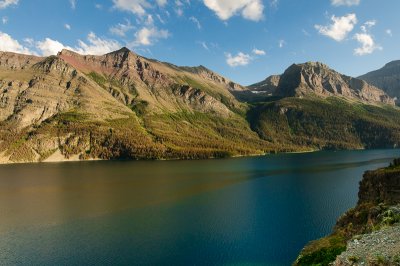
[244, 40]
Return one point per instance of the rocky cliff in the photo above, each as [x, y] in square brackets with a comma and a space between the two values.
[300, 80]
[317, 79]
[369, 233]
[387, 78]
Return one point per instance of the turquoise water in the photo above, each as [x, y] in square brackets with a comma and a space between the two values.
[259, 210]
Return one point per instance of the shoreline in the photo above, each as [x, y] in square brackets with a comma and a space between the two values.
[57, 159]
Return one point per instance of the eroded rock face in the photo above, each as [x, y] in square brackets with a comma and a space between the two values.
[386, 78]
[314, 78]
[318, 79]
[136, 78]
[380, 187]
[15, 61]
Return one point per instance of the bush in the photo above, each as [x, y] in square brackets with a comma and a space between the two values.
[321, 257]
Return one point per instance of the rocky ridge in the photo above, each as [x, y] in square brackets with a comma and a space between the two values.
[314, 78]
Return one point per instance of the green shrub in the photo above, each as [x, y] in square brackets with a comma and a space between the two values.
[322, 257]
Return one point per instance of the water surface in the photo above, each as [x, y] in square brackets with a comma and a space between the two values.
[259, 210]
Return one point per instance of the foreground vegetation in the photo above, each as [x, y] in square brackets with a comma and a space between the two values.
[378, 208]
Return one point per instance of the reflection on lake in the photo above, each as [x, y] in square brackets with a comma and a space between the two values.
[258, 210]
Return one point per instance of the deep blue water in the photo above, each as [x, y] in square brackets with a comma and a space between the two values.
[240, 211]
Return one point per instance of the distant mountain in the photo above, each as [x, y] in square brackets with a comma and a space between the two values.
[386, 78]
[125, 106]
[314, 78]
[267, 86]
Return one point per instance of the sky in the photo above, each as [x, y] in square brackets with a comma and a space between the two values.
[244, 40]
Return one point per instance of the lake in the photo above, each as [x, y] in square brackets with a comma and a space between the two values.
[240, 211]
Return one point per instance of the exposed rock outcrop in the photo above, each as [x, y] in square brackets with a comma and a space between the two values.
[367, 234]
[315, 78]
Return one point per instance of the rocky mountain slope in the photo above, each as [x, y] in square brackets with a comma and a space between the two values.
[387, 78]
[315, 78]
[124, 106]
[367, 234]
[119, 105]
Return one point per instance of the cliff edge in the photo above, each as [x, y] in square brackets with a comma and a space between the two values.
[368, 234]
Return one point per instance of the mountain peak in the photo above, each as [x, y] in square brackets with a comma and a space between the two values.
[123, 50]
[318, 79]
[67, 52]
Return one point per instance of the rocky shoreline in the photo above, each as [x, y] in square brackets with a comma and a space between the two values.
[368, 234]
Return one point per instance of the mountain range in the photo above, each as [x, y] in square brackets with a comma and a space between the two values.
[125, 106]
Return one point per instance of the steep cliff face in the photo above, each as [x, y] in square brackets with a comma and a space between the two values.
[301, 80]
[382, 186]
[387, 78]
[367, 234]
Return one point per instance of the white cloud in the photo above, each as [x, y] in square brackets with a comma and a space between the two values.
[96, 45]
[73, 3]
[240, 59]
[225, 9]
[195, 21]
[345, 2]
[67, 26]
[121, 28]
[137, 7]
[4, 20]
[281, 43]
[49, 47]
[340, 27]
[6, 3]
[389, 32]
[98, 6]
[161, 2]
[258, 52]
[366, 40]
[29, 41]
[367, 43]
[149, 35]
[367, 25]
[8, 44]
